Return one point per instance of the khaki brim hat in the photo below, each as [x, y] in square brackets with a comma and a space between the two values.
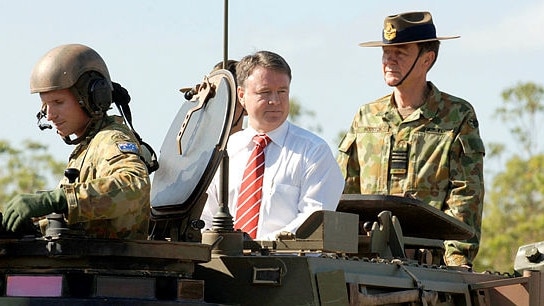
[407, 28]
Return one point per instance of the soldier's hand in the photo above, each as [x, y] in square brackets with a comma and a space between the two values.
[25, 206]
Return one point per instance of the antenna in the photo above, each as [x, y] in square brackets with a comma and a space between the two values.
[223, 220]
[226, 34]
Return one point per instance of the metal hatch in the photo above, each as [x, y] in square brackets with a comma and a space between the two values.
[418, 219]
[194, 146]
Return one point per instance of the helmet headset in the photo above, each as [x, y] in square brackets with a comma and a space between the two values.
[80, 69]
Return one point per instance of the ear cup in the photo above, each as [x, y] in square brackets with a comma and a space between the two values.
[99, 95]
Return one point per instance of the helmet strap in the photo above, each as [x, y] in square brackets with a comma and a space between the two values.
[411, 68]
[92, 127]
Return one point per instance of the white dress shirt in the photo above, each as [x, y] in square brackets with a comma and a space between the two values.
[301, 176]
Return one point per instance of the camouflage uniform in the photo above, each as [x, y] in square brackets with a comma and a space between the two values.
[111, 198]
[435, 154]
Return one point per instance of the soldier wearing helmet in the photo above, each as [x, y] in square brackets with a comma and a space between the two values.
[82, 71]
[110, 196]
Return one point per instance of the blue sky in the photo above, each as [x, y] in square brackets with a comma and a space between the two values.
[156, 47]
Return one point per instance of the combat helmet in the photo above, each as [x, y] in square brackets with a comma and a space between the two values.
[80, 69]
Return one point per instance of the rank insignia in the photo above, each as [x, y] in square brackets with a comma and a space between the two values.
[389, 32]
[473, 122]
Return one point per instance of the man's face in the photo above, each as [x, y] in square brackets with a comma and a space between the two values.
[265, 96]
[397, 61]
[64, 112]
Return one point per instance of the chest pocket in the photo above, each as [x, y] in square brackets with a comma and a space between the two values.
[373, 147]
[373, 150]
[429, 158]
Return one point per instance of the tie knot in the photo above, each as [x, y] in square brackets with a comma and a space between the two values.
[261, 140]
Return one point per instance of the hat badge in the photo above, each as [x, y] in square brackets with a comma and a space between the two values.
[389, 32]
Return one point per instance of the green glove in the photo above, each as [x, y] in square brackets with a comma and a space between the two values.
[25, 206]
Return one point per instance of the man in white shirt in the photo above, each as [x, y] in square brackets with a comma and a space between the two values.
[301, 175]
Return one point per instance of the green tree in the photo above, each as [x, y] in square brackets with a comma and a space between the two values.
[513, 211]
[514, 214]
[27, 169]
[297, 111]
[523, 110]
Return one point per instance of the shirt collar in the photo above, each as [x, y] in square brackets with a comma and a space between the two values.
[277, 135]
[434, 102]
[429, 109]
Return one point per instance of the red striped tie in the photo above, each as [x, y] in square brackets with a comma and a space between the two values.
[249, 198]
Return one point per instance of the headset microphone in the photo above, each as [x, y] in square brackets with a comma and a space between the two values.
[42, 126]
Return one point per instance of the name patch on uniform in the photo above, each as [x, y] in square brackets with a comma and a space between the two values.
[128, 147]
[373, 129]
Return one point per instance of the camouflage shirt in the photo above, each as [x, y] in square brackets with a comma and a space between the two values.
[435, 154]
[111, 198]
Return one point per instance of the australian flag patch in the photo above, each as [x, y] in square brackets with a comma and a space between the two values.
[128, 147]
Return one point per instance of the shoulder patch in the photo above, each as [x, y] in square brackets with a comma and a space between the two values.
[473, 122]
[128, 147]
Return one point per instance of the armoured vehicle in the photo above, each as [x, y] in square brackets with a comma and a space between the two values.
[356, 255]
